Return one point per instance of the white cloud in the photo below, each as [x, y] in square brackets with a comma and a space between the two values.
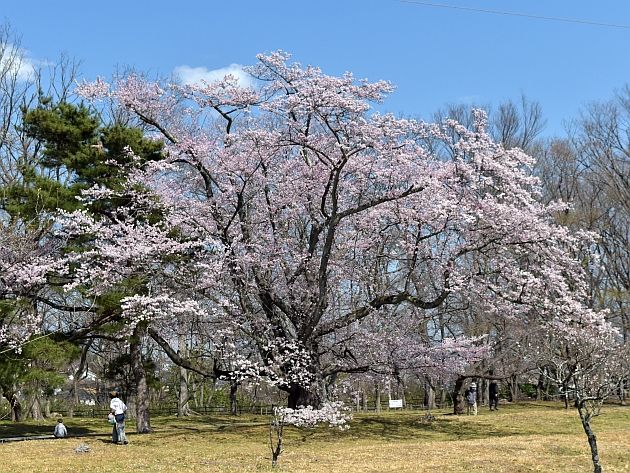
[26, 69]
[193, 75]
[16, 61]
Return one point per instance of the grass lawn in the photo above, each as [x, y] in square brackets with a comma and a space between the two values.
[520, 438]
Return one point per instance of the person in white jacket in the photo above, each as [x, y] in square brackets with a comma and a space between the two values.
[60, 430]
[118, 408]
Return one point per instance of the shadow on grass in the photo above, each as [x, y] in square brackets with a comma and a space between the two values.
[443, 427]
[394, 427]
[10, 430]
[209, 424]
[510, 421]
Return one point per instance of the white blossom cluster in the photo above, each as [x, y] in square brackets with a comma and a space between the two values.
[290, 361]
[139, 308]
[285, 363]
[335, 414]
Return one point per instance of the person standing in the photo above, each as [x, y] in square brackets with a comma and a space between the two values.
[471, 399]
[493, 395]
[118, 408]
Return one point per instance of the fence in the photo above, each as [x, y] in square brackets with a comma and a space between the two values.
[170, 410]
[261, 409]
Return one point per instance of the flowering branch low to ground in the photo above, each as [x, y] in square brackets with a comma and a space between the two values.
[335, 414]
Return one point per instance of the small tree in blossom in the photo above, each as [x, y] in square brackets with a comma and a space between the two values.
[588, 361]
[332, 413]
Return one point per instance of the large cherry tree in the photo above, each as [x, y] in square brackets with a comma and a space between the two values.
[301, 214]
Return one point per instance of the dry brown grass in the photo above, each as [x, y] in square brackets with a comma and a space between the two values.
[524, 438]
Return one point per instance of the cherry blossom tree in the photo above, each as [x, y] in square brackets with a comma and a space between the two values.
[587, 360]
[301, 213]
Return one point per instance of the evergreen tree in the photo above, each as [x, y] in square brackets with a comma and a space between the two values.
[76, 152]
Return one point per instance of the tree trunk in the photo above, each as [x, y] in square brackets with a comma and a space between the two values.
[443, 397]
[484, 395]
[182, 401]
[75, 397]
[77, 377]
[404, 398]
[458, 396]
[585, 416]
[377, 397]
[233, 399]
[143, 419]
[197, 392]
[429, 394]
[514, 391]
[540, 387]
[302, 396]
[364, 399]
[312, 395]
[183, 408]
[36, 408]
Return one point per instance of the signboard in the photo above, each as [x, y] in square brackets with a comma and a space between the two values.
[395, 403]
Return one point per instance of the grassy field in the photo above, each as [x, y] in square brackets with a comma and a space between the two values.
[521, 438]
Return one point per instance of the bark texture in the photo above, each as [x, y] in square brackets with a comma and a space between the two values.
[143, 418]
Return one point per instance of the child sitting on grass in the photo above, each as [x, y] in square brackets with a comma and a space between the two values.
[60, 429]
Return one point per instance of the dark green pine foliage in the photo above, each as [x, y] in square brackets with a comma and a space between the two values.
[73, 151]
[77, 153]
[76, 146]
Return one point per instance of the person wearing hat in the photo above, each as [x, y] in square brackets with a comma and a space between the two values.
[471, 399]
[118, 408]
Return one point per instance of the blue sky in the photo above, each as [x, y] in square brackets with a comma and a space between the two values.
[433, 55]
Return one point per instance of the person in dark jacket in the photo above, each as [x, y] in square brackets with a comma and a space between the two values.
[493, 395]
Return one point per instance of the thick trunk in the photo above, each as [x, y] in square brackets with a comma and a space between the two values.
[314, 394]
[143, 419]
[303, 396]
[377, 397]
[36, 408]
[592, 439]
[458, 396]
